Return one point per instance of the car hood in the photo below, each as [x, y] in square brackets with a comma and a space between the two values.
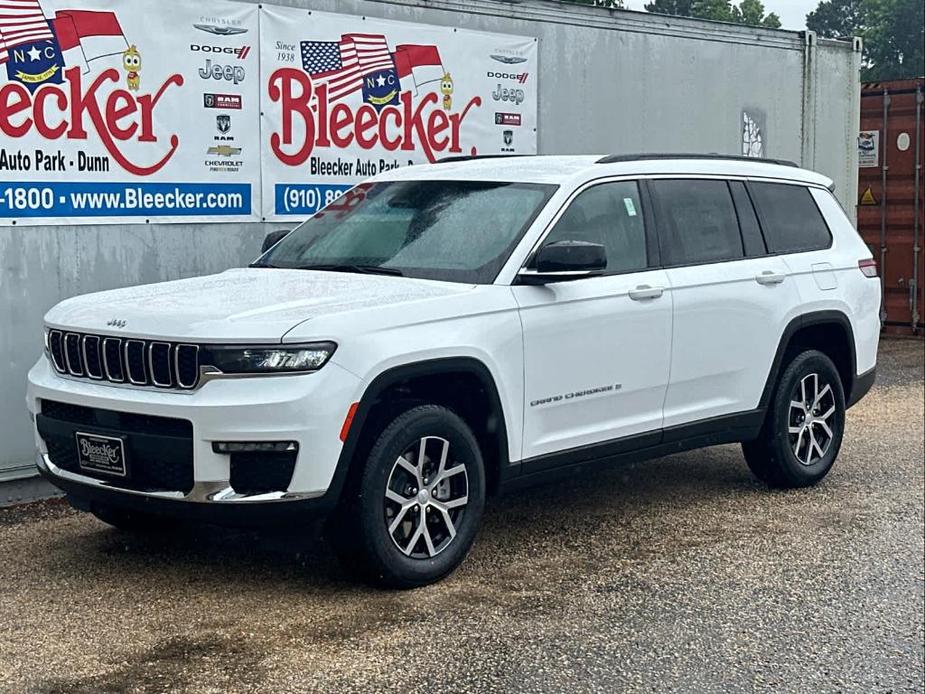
[250, 304]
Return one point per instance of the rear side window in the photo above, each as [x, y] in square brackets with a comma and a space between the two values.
[791, 221]
[697, 221]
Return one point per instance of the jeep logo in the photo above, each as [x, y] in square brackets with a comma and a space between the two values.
[515, 96]
[116, 323]
[231, 73]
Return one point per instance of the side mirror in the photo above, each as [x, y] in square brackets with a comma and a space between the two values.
[565, 260]
[273, 238]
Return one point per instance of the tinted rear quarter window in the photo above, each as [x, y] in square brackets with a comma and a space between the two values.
[697, 221]
[789, 217]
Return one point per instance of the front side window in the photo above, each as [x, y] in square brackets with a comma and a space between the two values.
[609, 214]
[792, 222]
[456, 231]
[698, 220]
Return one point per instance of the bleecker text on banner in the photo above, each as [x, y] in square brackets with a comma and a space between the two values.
[348, 97]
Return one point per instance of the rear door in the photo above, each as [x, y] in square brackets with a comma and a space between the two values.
[596, 350]
[731, 299]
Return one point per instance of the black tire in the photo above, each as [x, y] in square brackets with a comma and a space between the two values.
[789, 431]
[134, 521]
[360, 532]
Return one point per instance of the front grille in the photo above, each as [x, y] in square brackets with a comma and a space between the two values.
[118, 360]
[159, 449]
[260, 472]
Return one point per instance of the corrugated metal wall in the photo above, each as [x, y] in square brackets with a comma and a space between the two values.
[892, 217]
[610, 81]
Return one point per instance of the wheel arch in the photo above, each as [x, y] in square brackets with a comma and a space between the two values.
[374, 406]
[828, 331]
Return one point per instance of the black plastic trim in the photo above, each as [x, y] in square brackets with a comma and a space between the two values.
[803, 321]
[861, 387]
[741, 426]
[617, 158]
[395, 375]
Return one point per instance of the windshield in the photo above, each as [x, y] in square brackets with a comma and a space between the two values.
[457, 231]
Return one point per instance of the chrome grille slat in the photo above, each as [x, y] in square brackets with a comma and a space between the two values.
[111, 374]
[151, 363]
[93, 363]
[72, 354]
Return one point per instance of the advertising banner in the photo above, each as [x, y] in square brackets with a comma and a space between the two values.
[346, 97]
[128, 111]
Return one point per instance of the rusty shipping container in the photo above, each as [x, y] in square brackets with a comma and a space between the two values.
[891, 199]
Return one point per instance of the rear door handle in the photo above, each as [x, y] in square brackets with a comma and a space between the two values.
[644, 291]
[770, 277]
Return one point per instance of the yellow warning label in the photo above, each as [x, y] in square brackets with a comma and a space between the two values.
[867, 198]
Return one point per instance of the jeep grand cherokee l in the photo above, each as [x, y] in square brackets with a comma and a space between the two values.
[443, 332]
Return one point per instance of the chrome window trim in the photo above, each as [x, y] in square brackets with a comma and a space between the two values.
[650, 177]
[106, 370]
[83, 349]
[128, 367]
[67, 358]
[151, 345]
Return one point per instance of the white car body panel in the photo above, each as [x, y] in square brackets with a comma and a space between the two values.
[702, 349]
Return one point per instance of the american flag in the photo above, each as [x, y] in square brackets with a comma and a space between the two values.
[21, 21]
[343, 64]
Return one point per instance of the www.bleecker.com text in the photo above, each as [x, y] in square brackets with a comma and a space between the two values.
[43, 160]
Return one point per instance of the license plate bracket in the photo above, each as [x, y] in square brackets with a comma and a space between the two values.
[100, 453]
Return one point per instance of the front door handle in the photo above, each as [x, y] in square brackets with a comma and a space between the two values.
[770, 277]
[644, 291]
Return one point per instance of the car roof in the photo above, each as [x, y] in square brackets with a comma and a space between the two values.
[576, 169]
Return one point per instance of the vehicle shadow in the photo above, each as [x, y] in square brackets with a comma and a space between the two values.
[627, 494]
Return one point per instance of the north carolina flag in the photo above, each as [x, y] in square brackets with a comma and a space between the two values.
[422, 63]
[86, 35]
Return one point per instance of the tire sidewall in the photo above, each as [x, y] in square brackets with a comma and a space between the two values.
[804, 364]
[390, 564]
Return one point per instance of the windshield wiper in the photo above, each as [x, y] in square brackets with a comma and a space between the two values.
[351, 267]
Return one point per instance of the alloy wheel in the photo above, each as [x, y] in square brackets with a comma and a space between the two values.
[812, 419]
[426, 497]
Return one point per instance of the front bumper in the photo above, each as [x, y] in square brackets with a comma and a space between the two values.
[206, 503]
[308, 409]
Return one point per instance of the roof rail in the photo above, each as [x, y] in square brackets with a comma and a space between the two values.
[472, 157]
[616, 158]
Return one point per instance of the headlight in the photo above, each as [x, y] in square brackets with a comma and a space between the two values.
[268, 359]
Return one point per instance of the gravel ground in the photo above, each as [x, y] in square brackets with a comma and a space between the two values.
[680, 574]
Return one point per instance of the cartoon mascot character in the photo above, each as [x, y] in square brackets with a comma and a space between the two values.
[131, 62]
[446, 88]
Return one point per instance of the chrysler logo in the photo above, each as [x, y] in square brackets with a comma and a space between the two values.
[116, 323]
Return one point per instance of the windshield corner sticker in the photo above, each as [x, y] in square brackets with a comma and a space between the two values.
[349, 97]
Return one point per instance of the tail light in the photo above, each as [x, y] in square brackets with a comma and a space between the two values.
[868, 267]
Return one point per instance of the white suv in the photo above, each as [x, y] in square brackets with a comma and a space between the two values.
[443, 332]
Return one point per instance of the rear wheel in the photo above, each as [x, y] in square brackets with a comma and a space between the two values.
[803, 430]
[417, 506]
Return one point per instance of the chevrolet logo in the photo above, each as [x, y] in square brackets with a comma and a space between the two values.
[224, 150]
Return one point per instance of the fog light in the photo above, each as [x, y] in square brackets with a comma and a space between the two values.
[227, 447]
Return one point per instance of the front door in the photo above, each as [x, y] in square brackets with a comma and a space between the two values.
[596, 350]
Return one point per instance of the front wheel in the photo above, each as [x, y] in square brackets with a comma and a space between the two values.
[419, 501]
[803, 430]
